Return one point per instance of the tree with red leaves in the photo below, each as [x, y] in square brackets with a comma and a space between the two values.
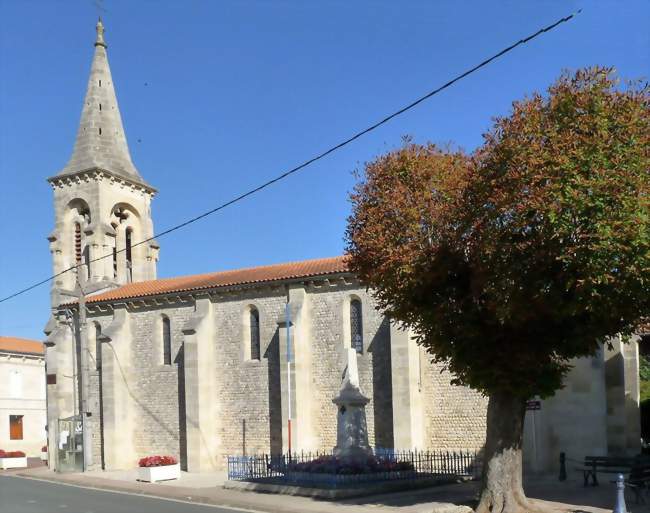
[510, 262]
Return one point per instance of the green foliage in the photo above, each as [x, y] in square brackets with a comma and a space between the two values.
[644, 375]
[644, 368]
[534, 250]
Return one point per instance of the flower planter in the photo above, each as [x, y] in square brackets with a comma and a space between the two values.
[6, 463]
[161, 473]
[43, 455]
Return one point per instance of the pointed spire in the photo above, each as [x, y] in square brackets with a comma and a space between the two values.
[101, 141]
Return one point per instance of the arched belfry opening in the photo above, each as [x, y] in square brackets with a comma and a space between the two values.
[131, 261]
[76, 249]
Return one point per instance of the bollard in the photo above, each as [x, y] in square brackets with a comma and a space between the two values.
[620, 495]
[562, 466]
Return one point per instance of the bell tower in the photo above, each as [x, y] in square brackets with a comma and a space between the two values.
[102, 205]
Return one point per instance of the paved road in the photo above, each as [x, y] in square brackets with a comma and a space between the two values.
[20, 495]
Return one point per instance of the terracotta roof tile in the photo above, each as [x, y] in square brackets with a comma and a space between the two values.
[20, 345]
[263, 274]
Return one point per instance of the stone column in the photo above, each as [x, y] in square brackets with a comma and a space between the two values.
[615, 399]
[201, 400]
[408, 416]
[153, 248]
[117, 392]
[630, 353]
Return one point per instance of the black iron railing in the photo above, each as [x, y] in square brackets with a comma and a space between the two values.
[393, 464]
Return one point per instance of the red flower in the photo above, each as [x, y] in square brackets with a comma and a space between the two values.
[11, 454]
[157, 461]
[44, 448]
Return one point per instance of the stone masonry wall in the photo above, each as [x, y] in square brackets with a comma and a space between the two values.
[454, 416]
[248, 390]
[155, 387]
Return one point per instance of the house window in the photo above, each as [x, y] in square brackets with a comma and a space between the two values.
[167, 341]
[255, 334]
[356, 325]
[15, 427]
[15, 384]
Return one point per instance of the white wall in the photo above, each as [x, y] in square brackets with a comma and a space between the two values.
[22, 392]
[573, 421]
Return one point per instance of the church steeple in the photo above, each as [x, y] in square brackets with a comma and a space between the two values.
[101, 141]
[102, 206]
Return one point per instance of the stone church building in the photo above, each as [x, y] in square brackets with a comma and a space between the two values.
[198, 367]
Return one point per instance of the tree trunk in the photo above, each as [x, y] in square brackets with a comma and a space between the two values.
[501, 489]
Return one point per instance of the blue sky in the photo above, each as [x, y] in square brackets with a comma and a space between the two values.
[217, 97]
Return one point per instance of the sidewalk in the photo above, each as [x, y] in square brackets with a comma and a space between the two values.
[207, 489]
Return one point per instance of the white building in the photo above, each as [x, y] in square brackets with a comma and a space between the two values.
[22, 395]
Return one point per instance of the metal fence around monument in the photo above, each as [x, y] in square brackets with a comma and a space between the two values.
[422, 465]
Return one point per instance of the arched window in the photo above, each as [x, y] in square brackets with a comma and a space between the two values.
[129, 261]
[167, 341]
[356, 325]
[98, 347]
[255, 333]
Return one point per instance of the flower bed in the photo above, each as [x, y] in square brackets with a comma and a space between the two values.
[158, 468]
[338, 466]
[332, 472]
[12, 459]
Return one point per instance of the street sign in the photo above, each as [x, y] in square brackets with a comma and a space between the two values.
[533, 405]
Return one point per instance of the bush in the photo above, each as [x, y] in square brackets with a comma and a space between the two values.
[157, 461]
[44, 448]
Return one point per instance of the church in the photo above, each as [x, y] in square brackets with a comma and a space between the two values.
[205, 366]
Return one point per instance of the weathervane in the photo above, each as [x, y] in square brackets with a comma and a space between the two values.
[99, 4]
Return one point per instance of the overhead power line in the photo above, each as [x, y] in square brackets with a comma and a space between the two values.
[313, 159]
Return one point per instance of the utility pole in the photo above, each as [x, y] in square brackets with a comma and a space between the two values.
[85, 385]
[81, 386]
